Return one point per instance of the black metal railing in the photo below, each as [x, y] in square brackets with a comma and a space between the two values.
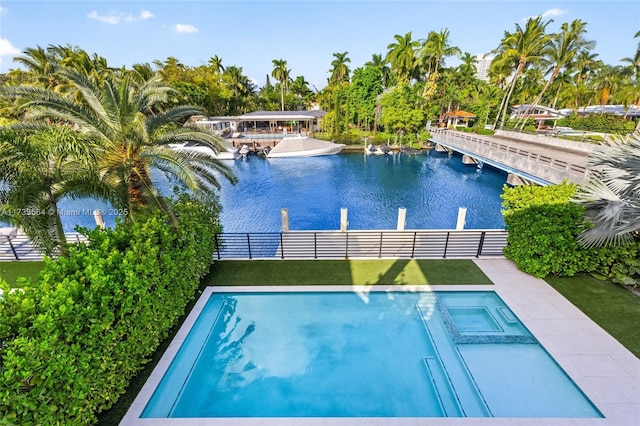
[360, 244]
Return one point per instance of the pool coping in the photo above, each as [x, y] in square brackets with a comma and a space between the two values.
[606, 371]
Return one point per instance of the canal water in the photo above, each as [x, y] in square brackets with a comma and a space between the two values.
[431, 186]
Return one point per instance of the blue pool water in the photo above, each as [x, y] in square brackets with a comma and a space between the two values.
[396, 354]
[431, 186]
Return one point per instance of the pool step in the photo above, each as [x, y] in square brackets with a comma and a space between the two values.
[447, 397]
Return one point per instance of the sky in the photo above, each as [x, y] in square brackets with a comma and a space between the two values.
[305, 33]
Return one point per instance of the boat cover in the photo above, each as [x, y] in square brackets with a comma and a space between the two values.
[301, 143]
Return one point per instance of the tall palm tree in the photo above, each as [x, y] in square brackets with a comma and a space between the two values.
[522, 47]
[612, 198]
[468, 66]
[435, 48]
[560, 52]
[634, 62]
[36, 171]
[402, 56]
[131, 134]
[215, 64]
[40, 65]
[378, 62]
[585, 63]
[281, 73]
[607, 79]
[339, 69]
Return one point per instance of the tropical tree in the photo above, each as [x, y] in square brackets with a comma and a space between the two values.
[612, 197]
[467, 69]
[339, 69]
[435, 48]
[520, 49]
[385, 72]
[40, 64]
[131, 134]
[401, 110]
[215, 64]
[37, 169]
[560, 52]
[634, 62]
[364, 90]
[281, 73]
[584, 65]
[402, 56]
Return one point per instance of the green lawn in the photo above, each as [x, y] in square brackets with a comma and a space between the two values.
[10, 271]
[610, 305]
[346, 272]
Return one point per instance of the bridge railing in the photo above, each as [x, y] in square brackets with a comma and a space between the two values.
[539, 165]
[361, 244]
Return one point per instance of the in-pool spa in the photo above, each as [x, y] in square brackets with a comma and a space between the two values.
[376, 354]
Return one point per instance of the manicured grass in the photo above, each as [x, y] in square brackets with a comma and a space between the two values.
[610, 305]
[347, 272]
[10, 271]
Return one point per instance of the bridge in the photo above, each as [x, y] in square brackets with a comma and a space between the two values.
[527, 159]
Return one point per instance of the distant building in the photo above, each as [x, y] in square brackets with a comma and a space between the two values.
[483, 61]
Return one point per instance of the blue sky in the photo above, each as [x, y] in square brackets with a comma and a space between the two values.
[250, 34]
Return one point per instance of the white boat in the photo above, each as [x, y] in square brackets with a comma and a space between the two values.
[383, 149]
[229, 153]
[244, 151]
[304, 146]
[370, 149]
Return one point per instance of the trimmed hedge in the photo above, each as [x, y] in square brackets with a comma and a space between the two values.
[69, 346]
[543, 227]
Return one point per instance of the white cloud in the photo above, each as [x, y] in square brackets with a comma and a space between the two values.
[553, 12]
[549, 13]
[7, 49]
[114, 18]
[3, 10]
[185, 28]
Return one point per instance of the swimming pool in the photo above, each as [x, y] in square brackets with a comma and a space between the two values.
[363, 354]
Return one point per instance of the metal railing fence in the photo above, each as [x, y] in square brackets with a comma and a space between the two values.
[360, 244]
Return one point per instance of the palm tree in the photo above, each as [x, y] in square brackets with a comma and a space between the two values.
[607, 79]
[584, 65]
[402, 56]
[522, 48]
[36, 171]
[215, 64]
[339, 69]
[634, 62]
[131, 135]
[40, 65]
[433, 51]
[281, 73]
[378, 62]
[561, 49]
[612, 198]
[468, 66]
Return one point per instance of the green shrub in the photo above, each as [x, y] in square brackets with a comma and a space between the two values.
[543, 226]
[347, 138]
[483, 131]
[604, 123]
[69, 346]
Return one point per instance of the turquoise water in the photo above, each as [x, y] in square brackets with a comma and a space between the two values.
[431, 186]
[420, 354]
